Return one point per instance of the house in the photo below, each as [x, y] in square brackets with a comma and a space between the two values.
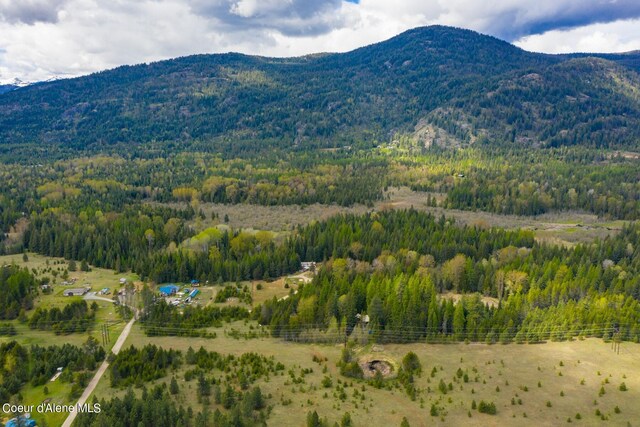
[169, 289]
[123, 281]
[194, 293]
[308, 266]
[195, 283]
[75, 292]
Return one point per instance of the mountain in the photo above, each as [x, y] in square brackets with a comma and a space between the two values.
[15, 84]
[7, 88]
[628, 59]
[439, 84]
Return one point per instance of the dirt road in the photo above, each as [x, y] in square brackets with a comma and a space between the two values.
[96, 378]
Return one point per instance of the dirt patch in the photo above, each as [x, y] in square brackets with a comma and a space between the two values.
[372, 365]
[490, 301]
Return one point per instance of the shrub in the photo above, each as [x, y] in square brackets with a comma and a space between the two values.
[173, 387]
[434, 410]
[411, 363]
[327, 382]
[487, 408]
[352, 370]
[442, 386]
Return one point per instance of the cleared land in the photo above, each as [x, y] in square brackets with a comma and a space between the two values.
[570, 377]
[97, 279]
[260, 290]
[566, 228]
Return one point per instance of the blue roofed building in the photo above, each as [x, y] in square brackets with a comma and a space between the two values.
[22, 422]
[169, 289]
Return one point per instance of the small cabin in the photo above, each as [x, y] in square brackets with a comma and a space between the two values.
[75, 292]
[308, 266]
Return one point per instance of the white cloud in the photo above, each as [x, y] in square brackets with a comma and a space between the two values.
[45, 38]
[30, 11]
[619, 36]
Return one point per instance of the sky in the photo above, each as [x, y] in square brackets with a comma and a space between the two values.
[42, 39]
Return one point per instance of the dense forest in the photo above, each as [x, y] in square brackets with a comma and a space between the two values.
[144, 214]
[19, 288]
[394, 267]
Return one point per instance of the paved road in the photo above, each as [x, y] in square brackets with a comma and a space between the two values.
[103, 368]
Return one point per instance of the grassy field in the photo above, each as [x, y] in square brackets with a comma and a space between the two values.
[97, 279]
[567, 228]
[531, 385]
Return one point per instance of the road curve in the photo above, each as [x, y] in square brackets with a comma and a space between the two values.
[101, 370]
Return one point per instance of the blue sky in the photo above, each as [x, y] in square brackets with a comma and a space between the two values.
[60, 38]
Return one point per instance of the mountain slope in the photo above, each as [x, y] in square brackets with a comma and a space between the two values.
[456, 81]
[7, 88]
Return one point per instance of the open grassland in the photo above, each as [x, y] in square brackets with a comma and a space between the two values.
[96, 279]
[53, 268]
[567, 228]
[531, 385]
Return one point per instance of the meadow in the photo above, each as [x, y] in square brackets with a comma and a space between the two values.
[564, 227]
[543, 385]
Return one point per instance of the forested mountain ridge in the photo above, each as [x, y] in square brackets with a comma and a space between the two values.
[448, 81]
[7, 88]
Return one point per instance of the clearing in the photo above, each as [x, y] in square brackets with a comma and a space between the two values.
[531, 385]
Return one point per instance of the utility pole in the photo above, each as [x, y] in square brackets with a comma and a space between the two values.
[615, 340]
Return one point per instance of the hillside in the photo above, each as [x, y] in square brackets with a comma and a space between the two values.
[6, 88]
[433, 81]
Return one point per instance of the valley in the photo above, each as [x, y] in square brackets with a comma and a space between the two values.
[438, 229]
